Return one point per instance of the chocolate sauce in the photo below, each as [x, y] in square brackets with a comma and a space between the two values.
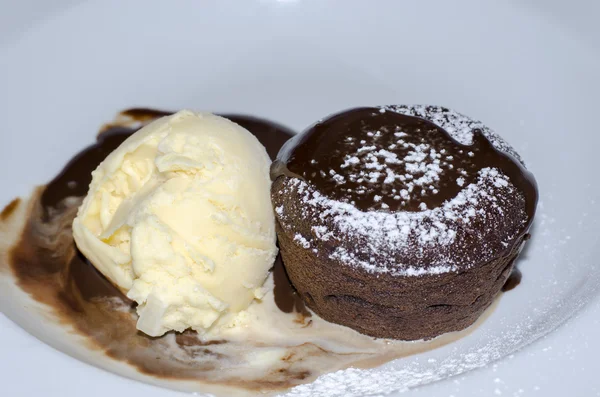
[48, 265]
[286, 297]
[9, 209]
[320, 156]
[513, 280]
[146, 115]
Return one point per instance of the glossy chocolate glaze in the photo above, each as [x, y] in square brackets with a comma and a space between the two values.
[324, 147]
[513, 280]
[286, 297]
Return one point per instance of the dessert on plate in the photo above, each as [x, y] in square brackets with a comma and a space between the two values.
[400, 222]
[158, 243]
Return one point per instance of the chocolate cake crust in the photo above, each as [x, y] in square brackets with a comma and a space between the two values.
[400, 222]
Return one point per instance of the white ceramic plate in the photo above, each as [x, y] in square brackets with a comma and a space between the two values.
[529, 69]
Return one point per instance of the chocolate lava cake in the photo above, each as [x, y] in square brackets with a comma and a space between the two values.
[400, 222]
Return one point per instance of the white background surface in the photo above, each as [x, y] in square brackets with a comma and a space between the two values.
[529, 69]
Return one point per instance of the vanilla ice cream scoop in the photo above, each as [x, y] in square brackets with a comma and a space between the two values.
[179, 218]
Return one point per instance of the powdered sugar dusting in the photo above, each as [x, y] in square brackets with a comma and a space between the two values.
[303, 242]
[396, 196]
[419, 168]
[459, 126]
[380, 235]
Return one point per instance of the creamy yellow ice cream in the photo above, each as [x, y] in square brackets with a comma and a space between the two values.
[179, 218]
